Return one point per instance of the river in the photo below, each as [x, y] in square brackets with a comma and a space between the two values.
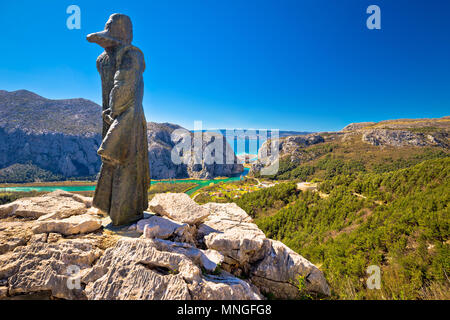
[200, 184]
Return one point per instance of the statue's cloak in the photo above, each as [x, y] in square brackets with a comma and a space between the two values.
[122, 188]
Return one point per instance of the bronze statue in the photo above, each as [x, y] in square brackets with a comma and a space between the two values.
[124, 178]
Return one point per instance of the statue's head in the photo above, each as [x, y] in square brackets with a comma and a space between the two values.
[118, 31]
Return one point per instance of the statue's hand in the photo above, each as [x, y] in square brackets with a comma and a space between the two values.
[106, 159]
[107, 116]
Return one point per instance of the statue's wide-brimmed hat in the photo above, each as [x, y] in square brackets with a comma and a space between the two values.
[118, 30]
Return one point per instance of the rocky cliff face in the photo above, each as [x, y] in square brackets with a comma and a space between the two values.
[162, 166]
[181, 251]
[400, 133]
[288, 147]
[59, 139]
[58, 136]
[403, 132]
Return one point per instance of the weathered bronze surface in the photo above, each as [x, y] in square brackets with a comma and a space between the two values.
[125, 175]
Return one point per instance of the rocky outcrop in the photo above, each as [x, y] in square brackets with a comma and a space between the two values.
[402, 132]
[218, 253]
[179, 207]
[357, 126]
[279, 271]
[402, 138]
[57, 204]
[73, 225]
[209, 259]
[291, 146]
[269, 264]
[142, 272]
[42, 266]
[162, 139]
[230, 231]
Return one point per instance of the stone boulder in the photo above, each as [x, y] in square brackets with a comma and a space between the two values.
[280, 269]
[165, 228]
[228, 230]
[73, 225]
[178, 207]
[57, 204]
[208, 259]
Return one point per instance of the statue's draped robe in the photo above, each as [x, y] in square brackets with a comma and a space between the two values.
[125, 175]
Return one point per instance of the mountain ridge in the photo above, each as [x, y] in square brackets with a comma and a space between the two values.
[58, 139]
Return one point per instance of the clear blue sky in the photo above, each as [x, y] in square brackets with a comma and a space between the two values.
[293, 65]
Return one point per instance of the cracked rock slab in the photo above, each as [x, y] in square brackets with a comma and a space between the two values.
[178, 207]
[228, 211]
[3, 292]
[208, 259]
[14, 234]
[225, 287]
[228, 230]
[277, 273]
[165, 228]
[57, 204]
[73, 225]
[141, 271]
[46, 267]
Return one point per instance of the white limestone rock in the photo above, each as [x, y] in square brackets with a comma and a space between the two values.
[142, 272]
[278, 273]
[72, 225]
[43, 266]
[57, 204]
[228, 230]
[178, 207]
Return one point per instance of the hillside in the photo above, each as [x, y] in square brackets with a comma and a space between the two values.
[382, 199]
[162, 167]
[29, 112]
[397, 220]
[380, 147]
[43, 139]
[50, 140]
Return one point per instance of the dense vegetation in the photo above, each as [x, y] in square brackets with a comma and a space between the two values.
[22, 173]
[398, 220]
[325, 161]
[268, 199]
[28, 173]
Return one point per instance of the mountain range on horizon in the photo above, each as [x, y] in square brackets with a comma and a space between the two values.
[43, 139]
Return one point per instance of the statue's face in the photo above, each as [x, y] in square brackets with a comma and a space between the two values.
[118, 31]
[103, 40]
